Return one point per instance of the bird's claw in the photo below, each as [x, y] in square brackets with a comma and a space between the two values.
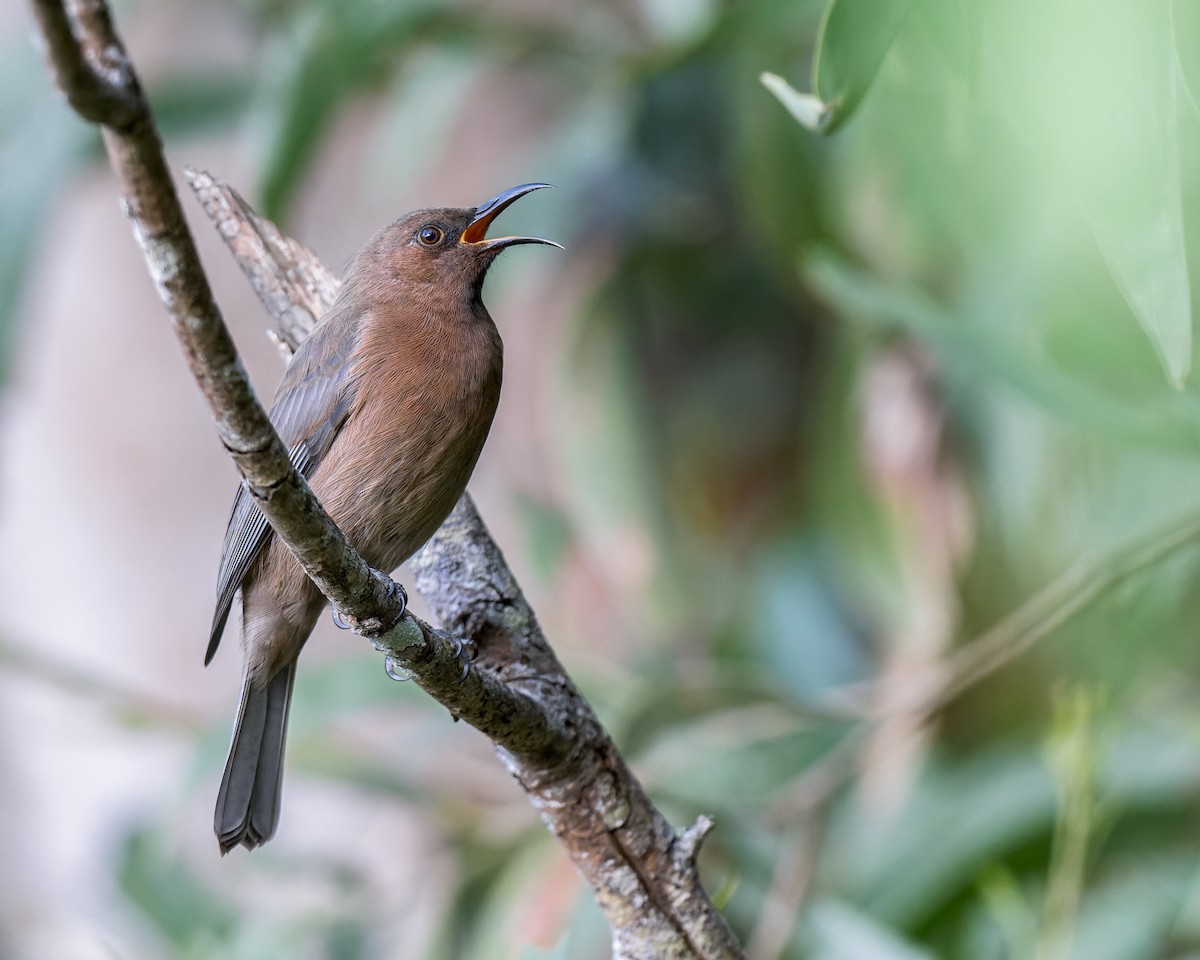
[393, 669]
[466, 651]
[397, 590]
[394, 590]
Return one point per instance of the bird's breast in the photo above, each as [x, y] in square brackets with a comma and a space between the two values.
[421, 413]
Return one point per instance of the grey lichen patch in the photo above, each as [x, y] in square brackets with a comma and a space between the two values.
[616, 813]
[624, 882]
[513, 619]
[609, 802]
[162, 257]
[402, 641]
[112, 66]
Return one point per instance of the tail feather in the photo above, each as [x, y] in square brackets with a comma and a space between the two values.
[248, 802]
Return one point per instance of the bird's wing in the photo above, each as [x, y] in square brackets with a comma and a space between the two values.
[311, 405]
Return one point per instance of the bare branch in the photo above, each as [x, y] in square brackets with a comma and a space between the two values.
[91, 69]
[292, 282]
[793, 878]
[693, 837]
[644, 875]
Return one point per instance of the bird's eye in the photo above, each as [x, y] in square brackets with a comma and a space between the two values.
[431, 236]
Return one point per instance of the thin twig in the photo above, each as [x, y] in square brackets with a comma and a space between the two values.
[1060, 601]
[792, 879]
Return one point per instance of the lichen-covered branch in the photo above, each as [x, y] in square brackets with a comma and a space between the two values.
[644, 874]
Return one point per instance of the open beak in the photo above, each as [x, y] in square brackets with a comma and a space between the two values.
[476, 232]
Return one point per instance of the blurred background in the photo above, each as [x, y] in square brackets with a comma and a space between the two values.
[849, 456]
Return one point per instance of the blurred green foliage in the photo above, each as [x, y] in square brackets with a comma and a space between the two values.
[1006, 222]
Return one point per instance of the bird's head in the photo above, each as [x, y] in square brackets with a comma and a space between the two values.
[445, 249]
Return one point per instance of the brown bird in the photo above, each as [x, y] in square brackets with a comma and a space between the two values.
[384, 409]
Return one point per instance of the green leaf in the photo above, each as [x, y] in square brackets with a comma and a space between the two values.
[1009, 909]
[183, 909]
[953, 28]
[1185, 31]
[903, 870]
[855, 36]
[840, 932]
[1140, 233]
[1134, 914]
[808, 639]
[973, 350]
[336, 55]
[1102, 115]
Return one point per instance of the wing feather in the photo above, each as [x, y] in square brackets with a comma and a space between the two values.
[311, 405]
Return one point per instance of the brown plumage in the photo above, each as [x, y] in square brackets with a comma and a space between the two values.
[385, 409]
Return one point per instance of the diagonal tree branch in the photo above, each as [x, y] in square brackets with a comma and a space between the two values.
[643, 873]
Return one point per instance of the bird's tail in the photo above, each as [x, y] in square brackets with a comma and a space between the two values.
[248, 803]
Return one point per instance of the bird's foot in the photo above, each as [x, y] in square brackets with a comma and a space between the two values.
[394, 590]
[466, 651]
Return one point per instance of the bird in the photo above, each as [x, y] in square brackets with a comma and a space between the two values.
[384, 409]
